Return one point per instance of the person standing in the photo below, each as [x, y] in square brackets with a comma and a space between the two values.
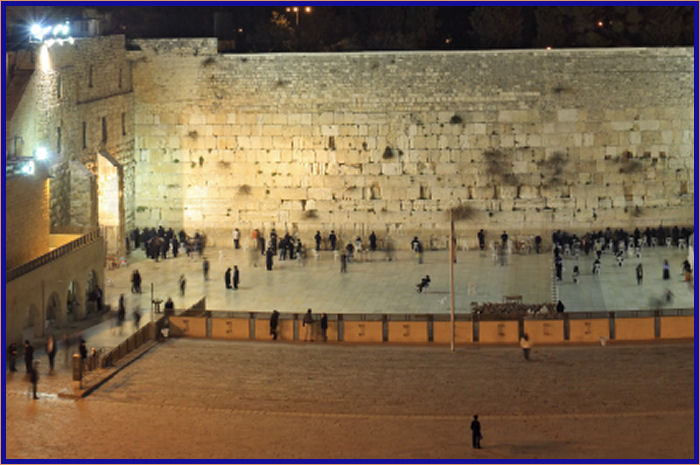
[205, 268]
[136, 282]
[538, 244]
[83, 353]
[525, 345]
[640, 274]
[227, 278]
[419, 252]
[268, 258]
[28, 355]
[306, 323]
[476, 433]
[274, 320]
[332, 238]
[317, 238]
[560, 307]
[481, 236]
[372, 242]
[324, 327]
[504, 240]
[343, 263]
[183, 283]
[236, 277]
[667, 270]
[51, 350]
[12, 356]
[34, 377]
[236, 238]
[137, 319]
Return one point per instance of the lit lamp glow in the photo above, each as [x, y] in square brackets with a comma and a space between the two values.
[41, 154]
[28, 168]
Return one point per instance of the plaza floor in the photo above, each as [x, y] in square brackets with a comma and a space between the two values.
[217, 399]
[376, 285]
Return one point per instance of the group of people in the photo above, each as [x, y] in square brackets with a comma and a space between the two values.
[158, 242]
[307, 324]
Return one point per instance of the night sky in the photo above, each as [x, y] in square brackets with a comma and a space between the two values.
[348, 28]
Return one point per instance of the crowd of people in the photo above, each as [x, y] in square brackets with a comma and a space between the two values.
[159, 243]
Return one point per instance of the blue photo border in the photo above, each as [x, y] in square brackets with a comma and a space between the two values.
[694, 460]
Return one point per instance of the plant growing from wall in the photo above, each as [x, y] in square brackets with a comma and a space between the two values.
[208, 61]
[310, 214]
[244, 189]
[388, 153]
[193, 134]
[201, 160]
[141, 209]
[456, 119]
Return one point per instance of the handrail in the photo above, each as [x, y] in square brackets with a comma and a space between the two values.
[55, 254]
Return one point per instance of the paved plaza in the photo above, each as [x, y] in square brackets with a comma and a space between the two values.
[223, 399]
[208, 399]
[376, 285]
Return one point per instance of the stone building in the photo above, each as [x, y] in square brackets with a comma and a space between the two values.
[170, 132]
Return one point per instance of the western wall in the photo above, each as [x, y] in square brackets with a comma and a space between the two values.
[524, 141]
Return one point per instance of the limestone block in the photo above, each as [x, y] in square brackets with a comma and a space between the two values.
[651, 137]
[391, 169]
[328, 130]
[325, 118]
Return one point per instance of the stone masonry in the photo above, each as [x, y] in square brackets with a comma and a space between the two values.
[525, 141]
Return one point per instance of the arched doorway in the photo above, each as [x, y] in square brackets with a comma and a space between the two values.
[93, 293]
[32, 323]
[54, 311]
[75, 309]
[110, 214]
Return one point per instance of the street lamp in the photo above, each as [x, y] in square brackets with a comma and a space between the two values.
[295, 10]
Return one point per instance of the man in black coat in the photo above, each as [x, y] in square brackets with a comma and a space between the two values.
[476, 433]
[274, 319]
[268, 258]
[236, 277]
[227, 278]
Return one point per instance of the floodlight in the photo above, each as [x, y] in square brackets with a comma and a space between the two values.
[41, 154]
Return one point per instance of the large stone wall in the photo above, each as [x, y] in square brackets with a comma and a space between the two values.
[74, 85]
[26, 235]
[526, 140]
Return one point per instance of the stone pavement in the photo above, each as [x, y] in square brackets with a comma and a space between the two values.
[380, 286]
[210, 399]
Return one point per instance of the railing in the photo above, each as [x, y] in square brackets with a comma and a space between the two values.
[55, 254]
[146, 333]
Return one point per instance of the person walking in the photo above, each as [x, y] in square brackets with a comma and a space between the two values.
[137, 319]
[227, 278]
[306, 323]
[324, 327]
[274, 321]
[12, 356]
[525, 345]
[28, 355]
[640, 274]
[343, 263]
[51, 350]
[236, 277]
[476, 433]
[34, 377]
[136, 282]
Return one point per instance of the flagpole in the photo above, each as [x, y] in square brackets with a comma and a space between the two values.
[452, 280]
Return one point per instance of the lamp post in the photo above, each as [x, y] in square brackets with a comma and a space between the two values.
[295, 10]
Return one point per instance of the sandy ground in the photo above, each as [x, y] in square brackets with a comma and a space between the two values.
[228, 400]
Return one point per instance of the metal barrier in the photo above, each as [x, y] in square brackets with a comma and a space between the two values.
[148, 332]
[55, 254]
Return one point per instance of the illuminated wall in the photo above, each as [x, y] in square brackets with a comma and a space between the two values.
[389, 141]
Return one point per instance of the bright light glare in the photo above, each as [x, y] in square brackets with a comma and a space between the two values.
[41, 153]
[307, 9]
[28, 168]
[36, 31]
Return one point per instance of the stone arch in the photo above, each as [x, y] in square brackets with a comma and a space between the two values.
[75, 300]
[32, 321]
[55, 311]
[92, 285]
[110, 203]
